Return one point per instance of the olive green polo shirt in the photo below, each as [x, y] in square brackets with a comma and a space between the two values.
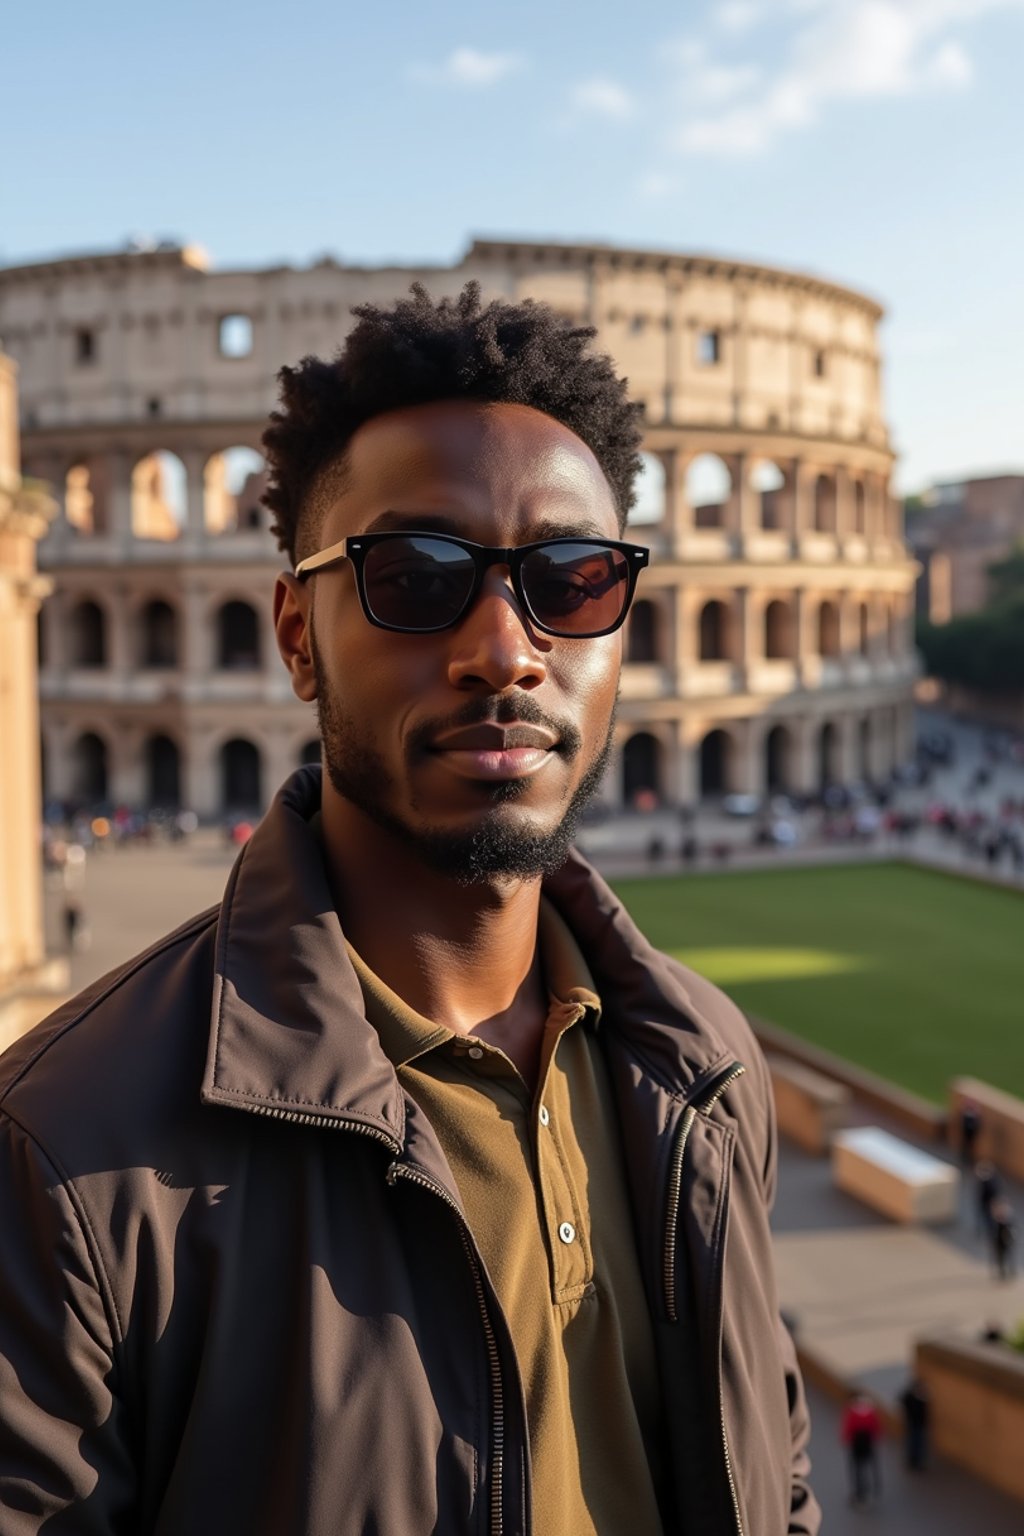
[543, 1186]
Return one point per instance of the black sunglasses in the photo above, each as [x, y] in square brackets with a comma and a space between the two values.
[417, 583]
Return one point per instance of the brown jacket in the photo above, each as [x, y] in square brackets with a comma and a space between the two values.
[238, 1293]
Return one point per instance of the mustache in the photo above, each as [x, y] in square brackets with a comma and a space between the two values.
[507, 710]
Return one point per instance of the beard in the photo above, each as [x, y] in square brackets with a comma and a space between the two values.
[501, 844]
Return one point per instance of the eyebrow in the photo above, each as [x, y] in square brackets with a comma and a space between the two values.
[444, 522]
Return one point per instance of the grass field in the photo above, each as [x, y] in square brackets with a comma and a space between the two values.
[916, 975]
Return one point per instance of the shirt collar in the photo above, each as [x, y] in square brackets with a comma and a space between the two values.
[405, 1034]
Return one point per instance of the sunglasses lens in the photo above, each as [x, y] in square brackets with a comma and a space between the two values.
[417, 582]
[576, 589]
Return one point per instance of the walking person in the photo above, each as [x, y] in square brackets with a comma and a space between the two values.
[970, 1128]
[987, 1189]
[411, 1190]
[1003, 1238]
[915, 1404]
[861, 1431]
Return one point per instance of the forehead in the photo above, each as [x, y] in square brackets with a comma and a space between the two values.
[503, 469]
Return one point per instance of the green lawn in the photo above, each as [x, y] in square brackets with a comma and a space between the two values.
[918, 976]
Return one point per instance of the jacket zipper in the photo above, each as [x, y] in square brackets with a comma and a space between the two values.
[401, 1170]
[704, 1107]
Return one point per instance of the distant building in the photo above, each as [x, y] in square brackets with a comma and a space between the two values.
[958, 531]
[27, 978]
[771, 647]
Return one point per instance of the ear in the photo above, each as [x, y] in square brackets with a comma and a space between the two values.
[292, 625]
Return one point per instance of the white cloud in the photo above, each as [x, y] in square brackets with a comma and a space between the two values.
[469, 67]
[602, 97]
[833, 50]
[737, 16]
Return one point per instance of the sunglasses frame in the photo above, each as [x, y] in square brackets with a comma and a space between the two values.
[356, 548]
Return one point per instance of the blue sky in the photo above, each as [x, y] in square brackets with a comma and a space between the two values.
[872, 141]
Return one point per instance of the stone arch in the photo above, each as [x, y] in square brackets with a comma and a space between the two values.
[713, 631]
[641, 766]
[159, 497]
[824, 503]
[643, 632]
[238, 637]
[779, 631]
[864, 748]
[715, 763]
[708, 489]
[158, 634]
[87, 497]
[779, 750]
[829, 765]
[309, 752]
[829, 636]
[650, 489]
[87, 633]
[241, 777]
[163, 772]
[768, 483]
[860, 512]
[234, 479]
[90, 769]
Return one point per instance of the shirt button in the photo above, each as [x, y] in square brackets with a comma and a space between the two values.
[475, 1052]
[542, 1115]
[567, 1232]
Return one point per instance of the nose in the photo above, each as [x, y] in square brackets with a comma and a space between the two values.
[495, 648]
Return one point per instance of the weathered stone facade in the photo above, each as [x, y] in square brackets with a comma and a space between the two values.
[27, 979]
[771, 646]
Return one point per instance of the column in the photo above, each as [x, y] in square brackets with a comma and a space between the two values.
[747, 499]
[747, 648]
[687, 608]
[799, 508]
[121, 465]
[197, 658]
[685, 788]
[679, 513]
[844, 503]
[194, 460]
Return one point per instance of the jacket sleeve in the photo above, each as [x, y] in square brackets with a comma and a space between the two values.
[804, 1510]
[64, 1458]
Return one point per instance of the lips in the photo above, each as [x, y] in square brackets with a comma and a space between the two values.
[495, 738]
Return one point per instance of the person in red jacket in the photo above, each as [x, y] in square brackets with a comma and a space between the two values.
[861, 1432]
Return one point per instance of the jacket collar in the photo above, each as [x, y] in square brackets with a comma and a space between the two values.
[289, 1035]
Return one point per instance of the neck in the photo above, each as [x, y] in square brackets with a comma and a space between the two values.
[463, 956]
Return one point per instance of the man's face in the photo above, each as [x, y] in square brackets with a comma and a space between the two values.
[478, 745]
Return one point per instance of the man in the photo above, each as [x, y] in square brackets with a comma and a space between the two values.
[409, 1190]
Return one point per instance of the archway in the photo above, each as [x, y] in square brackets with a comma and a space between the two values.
[240, 777]
[828, 629]
[238, 637]
[859, 507]
[159, 497]
[825, 504]
[86, 497]
[768, 481]
[642, 632]
[778, 758]
[89, 774]
[714, 763]
[233, 482]
[713, 644]
[163, 773]
[779, 640]
[708, 488]
[649, 490]
[159, 634]
[828, 756]
[641, 767]
[88, 634]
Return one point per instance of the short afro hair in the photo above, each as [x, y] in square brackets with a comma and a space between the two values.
[418, 352]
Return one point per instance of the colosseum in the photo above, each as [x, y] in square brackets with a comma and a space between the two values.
[771, 645]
